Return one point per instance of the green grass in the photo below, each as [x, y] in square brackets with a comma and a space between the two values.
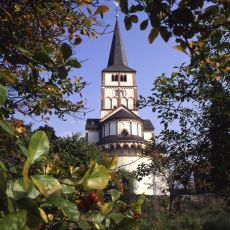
[207, 214]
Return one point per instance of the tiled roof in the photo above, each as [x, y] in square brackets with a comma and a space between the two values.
[148, 125]
[122, 113]
[119, 138]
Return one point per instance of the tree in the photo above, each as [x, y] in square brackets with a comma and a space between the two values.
[50, 132]
[75, 150]
[36, 54]
[197, 96]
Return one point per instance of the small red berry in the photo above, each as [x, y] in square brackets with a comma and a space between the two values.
[93, 197]
[87, 202]
[136, 215]
[81, 206]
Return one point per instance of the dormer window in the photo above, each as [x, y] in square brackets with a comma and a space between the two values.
[124, 133]
[114, 77]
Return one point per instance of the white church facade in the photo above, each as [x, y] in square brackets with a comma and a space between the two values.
[120, 130]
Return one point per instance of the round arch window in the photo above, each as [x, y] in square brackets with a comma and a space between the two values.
[124, 133]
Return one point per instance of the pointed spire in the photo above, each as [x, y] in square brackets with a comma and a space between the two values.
[117, 54]
[117, 57]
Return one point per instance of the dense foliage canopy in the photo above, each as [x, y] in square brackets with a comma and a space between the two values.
[196, 97]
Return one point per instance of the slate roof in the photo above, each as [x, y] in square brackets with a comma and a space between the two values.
[148, 125]
[119, 138]
[122, 113]
[117, 57]
[92, 124]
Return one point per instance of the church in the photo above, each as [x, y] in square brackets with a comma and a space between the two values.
[120, 130]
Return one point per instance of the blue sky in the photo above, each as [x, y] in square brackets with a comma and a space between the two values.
[149, 60]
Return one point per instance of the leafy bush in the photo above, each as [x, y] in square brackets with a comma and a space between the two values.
[35, 194]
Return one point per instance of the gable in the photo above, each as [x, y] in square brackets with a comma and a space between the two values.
[121, 112]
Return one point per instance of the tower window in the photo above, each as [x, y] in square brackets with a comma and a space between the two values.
[123, 77]
[114, 77]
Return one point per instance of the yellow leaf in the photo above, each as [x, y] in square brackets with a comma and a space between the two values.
[106, 208]
[25, 173]
[43, 215]
[218, 77]
[102, 9]
[114, 163]
[88, 22]
[180, 48]
[7, 76]
[227, 68]
[50, 217]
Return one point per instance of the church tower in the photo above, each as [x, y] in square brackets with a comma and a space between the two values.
[120, 130]
[118, 85]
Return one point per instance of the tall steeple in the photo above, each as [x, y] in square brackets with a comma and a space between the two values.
[117, 57]
[117, 54]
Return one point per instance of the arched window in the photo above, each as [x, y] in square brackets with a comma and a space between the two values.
[114, 77]
[123, 93]
[121, 77]
[131, 103]
[125, 77]
[108, 103]
[116, 93]
[124, 133]
[124, 101]
[114, 103]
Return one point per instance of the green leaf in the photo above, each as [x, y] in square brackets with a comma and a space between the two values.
[7, 76]
[124, 6]
[3, 94]
[16, 190]
[23, 149]
[68, 208]
[128, 23]
[117, 217]
[73, 63]
[134, 18]
[106, 208]
[47, 185]
[83, 225]
[153, 34]
[14, 221]
[23, 50]
[67, 186]
[96, 177]
[38, 146]
[63, 72]
[42, 57]
[165, 34]
[144, 24]
[115, 194]
[66, 51]
[128, 223]
[77, 41]
[34, 220]
[7, 127]
[141, 200]
[113, 163]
